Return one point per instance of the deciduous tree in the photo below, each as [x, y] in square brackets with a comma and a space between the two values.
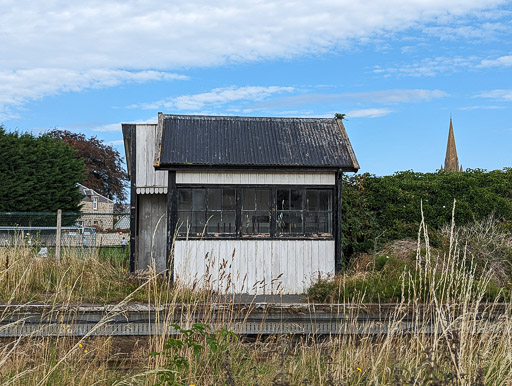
[104, 165]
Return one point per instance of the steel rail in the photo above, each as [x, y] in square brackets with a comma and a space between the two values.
[244, 319]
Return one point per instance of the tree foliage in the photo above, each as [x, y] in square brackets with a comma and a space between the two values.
[104, 165]
[380, 209]
[38, 174]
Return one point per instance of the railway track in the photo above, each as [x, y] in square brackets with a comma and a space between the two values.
[245, 319]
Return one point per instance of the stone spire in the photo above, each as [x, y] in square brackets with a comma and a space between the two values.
[451, 161]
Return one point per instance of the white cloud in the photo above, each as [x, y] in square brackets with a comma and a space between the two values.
[481, 107]
[499, 94]
[369, 113]
[156, 34]
[398, 96]
[117, 126]
[502, 61]
[55, 46]
[380, 96]
[429, 66]
[216, 98]
[484, 31]
[16, 87]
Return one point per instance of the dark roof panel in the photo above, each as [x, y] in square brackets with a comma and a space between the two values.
[215, 141]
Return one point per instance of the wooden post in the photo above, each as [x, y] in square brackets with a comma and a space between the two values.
[172, 220]
[339, 263]
[58, 233]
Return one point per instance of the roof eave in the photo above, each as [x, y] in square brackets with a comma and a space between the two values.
[257, 168]
[350, 150]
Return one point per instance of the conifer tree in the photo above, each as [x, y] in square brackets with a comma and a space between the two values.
[38, 174]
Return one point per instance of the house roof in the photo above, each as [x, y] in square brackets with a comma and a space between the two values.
[199, 142]
[88, 193]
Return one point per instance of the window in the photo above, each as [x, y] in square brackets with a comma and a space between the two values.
[318, 214]
[290, 211]
[259, 211]
[255, 211]
[95, 203]
[210, 211]
[221, 211]
[191, 210]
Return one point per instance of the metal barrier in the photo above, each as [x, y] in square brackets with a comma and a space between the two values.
[40, 229]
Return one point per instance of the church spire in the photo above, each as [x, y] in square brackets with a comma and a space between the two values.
[451, 161]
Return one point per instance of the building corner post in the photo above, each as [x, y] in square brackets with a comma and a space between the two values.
[172, 220]
[338, 252]
[133, 198]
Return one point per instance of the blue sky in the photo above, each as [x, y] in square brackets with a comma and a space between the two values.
[396, 68]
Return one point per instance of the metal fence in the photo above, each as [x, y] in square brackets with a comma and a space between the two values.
[39, 229]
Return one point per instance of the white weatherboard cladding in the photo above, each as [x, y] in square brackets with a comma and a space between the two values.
[147, 179]
[246, 178]
[253, 266]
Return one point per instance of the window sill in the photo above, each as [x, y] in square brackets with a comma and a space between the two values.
[255, 237]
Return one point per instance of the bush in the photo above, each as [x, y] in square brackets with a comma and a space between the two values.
[377, 210]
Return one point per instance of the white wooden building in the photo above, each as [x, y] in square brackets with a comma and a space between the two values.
[240, 204]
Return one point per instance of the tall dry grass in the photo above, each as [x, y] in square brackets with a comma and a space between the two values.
[440, 332]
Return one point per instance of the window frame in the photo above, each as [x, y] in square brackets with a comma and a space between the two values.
[274, 234]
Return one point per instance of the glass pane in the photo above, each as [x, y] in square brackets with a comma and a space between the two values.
[214, 199]
[198, 222]
[289, 222]
[254, 222]
[263, 199]
[248, 199]
[184, 199]
[325, 222]
[214, 222]
[296, 199]
[325, 200]
[228, 199]
[198, 199]
[184, 219]
[312, 200]
[318, 222]
[283, 199]
[228, 222]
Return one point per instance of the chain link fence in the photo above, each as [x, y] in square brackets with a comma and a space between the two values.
[81, 230]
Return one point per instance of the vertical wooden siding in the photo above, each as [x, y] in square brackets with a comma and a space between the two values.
[148, 180]
[253, 266]
[152, 241]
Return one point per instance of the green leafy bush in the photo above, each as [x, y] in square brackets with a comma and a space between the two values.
[377, 210]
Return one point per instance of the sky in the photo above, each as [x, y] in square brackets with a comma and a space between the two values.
[398, 69]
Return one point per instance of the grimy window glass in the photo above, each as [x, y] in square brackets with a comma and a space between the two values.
[206, 211]
[192, 211]
[290, 211]
[255, 211]
[214, 211]
[221, 211]
[318, 214]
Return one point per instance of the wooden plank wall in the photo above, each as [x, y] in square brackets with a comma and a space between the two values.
[253, 266]
[255, 178]
[152, 241]
[148, 180]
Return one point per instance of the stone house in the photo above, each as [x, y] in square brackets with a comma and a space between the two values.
[97, 209]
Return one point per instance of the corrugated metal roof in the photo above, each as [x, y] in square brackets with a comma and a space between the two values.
[216, 141]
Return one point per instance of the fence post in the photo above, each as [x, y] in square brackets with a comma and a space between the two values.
[57, 236]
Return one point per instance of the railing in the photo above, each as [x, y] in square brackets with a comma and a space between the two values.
[83, 230]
